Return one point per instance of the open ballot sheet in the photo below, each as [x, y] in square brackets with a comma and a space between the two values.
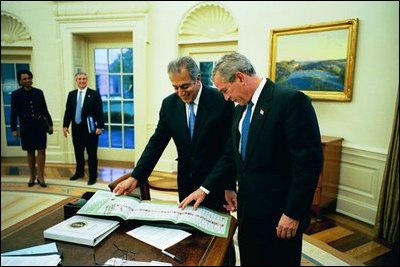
[105, 203]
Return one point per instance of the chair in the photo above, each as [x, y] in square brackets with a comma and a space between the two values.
[144, 188]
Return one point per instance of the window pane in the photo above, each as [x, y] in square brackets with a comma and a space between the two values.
[115, 86]
[11, 140]
[7, 114]
[103, 138]
[128, 86]
[115, 109]
[20, 66]
[127, 59]
[129, 137]
[100, 61]
[102, 84]
[7, 73]
[128, 112]
[7, 90]
[116, 136]
[114, 59]
[205, 71]
[9, 84]
[105, 111]
[114, 81]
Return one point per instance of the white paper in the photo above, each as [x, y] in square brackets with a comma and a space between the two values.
[121, 262]
[49, 260]
[158, 237]
[46, 248]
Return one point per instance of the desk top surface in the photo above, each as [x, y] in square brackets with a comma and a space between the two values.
[197, 249]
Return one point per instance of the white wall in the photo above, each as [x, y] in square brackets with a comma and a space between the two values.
[365, 123]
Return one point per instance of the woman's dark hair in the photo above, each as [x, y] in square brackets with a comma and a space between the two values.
[19, 74]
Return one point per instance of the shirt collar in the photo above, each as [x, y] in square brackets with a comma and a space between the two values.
[197, 99]
[257, 93]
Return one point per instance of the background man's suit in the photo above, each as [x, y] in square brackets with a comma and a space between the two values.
[92, 105]
[197, 157]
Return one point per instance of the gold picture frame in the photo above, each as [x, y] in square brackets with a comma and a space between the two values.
[316, 59]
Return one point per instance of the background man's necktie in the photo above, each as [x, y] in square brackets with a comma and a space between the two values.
[245, 129]
[78, 108]
[192, 119]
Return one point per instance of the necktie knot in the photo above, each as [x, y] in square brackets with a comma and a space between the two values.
[245, 129]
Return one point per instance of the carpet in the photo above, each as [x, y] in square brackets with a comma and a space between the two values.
[19, 202]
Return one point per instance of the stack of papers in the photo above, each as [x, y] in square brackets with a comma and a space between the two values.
[158, 237]
[43, 255]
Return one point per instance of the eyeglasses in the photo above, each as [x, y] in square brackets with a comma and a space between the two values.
[184, 86]
[122, 256]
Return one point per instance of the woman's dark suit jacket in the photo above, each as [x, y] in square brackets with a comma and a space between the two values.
[198, 157]
[32, 132]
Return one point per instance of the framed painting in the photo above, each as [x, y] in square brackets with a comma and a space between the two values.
[316, 59]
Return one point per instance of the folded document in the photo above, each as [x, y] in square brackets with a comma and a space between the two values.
[105, 203]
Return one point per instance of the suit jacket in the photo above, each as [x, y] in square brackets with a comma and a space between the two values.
[28, 113]
[92, 105]
[283, 158]
[197, 157]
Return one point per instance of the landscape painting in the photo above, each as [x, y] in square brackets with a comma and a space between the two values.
[316, 59]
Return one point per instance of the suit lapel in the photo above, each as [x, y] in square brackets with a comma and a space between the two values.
[205, 104]
[86, 101]
[181, 121]
[259, 116]
[235, 128]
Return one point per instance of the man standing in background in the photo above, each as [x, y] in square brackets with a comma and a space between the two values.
[84, 105]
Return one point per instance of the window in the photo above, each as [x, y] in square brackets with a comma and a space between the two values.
[114, 82]
[8, 84]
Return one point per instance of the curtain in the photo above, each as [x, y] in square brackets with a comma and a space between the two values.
[387, 218]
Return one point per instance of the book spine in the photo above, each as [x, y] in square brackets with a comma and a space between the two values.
[75, 239]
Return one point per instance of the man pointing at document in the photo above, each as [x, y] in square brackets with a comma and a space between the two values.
[276, 150]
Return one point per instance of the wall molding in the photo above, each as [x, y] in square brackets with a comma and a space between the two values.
[207, 22]
[70, 9]
[14, 31]
[361, 175]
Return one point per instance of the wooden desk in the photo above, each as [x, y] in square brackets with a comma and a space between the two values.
[325, 195]
[199, 249]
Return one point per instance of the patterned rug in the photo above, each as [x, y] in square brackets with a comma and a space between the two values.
[19, 202]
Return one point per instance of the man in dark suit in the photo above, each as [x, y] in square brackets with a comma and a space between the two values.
[197, 154]
[84, 103]
[279, 167]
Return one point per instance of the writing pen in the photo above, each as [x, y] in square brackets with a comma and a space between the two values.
[172, 256]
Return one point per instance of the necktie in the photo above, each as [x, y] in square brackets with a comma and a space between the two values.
[78, 109]
[245, 129]
[192, 119]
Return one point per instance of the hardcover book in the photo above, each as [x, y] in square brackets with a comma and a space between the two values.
[81, 230]
[105, 203]
[91, 124]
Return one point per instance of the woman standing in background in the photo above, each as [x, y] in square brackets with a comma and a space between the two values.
[29, 105]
